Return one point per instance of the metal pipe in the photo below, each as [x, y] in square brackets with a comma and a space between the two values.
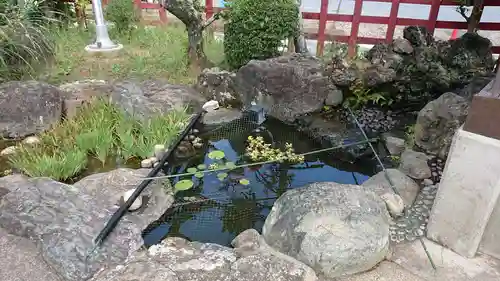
[102, 42]
[113, 221]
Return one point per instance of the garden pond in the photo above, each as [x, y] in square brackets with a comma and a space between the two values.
[216, 206]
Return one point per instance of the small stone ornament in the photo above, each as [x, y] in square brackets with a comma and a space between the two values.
[136, 205]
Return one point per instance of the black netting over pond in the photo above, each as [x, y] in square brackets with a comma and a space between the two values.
[222, 204]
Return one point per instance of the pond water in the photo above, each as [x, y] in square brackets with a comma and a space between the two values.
[217, 209]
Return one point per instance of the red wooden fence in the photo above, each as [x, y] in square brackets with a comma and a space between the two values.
[392, 21]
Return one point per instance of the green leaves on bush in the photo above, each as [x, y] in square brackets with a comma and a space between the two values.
[123, 14]
[255, 29]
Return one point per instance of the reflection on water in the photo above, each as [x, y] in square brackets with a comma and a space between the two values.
[218, 210]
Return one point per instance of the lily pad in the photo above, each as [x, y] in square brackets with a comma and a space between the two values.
[216, 154]
[184, 185]
[192, 170]
[244, 182]
[201, 167]
[199, 175]
[222, 176]
[230, 165]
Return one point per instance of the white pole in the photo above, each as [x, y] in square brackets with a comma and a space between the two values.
[102, 42]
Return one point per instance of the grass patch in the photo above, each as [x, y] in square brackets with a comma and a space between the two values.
[149, 52]
[99, 130]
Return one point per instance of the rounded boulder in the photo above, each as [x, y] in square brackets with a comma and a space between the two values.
[336, 229]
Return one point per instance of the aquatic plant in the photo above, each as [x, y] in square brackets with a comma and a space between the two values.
[184, 185]
[258, 150]
[99, 130]
[61, 164]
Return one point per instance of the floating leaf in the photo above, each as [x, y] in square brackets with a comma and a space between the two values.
[216, 154]
[199, 175]
[244, 182]
[184, 185]
[230, 165]
[201, 167]
[192, 170]
[222, 176]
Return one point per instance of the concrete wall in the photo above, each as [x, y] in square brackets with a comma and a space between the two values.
[467, 195]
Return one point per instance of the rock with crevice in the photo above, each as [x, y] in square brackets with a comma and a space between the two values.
[64, 219]
[28, 107]
[335, 229]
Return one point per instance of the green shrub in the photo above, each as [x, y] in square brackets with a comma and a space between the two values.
[123, 14]
[255, 29]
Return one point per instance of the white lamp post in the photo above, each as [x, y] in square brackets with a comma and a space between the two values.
[102, 42]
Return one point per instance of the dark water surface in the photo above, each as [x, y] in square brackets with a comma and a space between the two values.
[223, 209]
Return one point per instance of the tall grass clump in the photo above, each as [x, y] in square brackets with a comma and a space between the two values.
[24, 39]
[99, 130]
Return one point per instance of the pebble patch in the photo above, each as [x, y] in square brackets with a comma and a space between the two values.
[413, 224]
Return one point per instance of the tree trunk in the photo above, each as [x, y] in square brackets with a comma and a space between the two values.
[190, 13]
[475, 16]
[195, 51]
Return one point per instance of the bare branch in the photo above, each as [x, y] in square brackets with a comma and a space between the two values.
[211, 20]
[462, 10]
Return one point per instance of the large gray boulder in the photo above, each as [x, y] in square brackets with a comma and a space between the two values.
[21, 260]
[139, 98]
[64, 219]
[145, 98]
[336, 229]
[176, 259]
[28, 107]
[289, 86]
[437, 122]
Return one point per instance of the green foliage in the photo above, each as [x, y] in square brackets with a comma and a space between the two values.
[123, 14]
[360, 96]
[410, 136]
[183, 185]
[23, 39]
[60, 164]
[216, 154]
[98, 130]
[258, 150]
[255, 29]
[339, 49]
